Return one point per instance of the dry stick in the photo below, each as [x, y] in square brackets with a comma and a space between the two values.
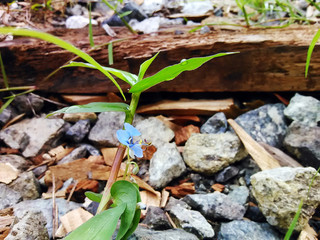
[54, 208]
[72, 190]
[258, 153]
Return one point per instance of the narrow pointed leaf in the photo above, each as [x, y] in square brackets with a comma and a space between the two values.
[173, 71]
[96, 197]
[310, 50]
[94, 107]
[144, 66]
[125, 192]
[100, 226]
[61, 43]
[129, 78]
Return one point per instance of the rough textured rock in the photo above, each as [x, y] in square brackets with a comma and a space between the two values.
[265, 124]
[17, 161]
[226, 174]
[155, 131]
[142, 233]
[279, 191]
[216, 124]
[32, 225]
[28, 103]
[27, 185]
[192, 221]
[33, 135]
[241, 229]
[45, 206]
[210, 153]
[215, 206]
[8, 196]
[156, 219]
[5, 116]
[77, 153]
[78, 131]
[166, 164]
[303, 109]
[173, 202]
[239, 194]
[303, 142]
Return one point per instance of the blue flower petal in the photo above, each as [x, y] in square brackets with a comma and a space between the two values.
[123, 137]
[132, 130]
[137, 150]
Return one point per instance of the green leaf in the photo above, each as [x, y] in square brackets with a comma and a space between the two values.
[100, 226]
[144, 66]
[61, 43]
[94, 107]
[110, 53]
[121, 15]
[173, 71]
[129, 78]
[125, 192]
[294, 222]
[310, 50]
[96, 197]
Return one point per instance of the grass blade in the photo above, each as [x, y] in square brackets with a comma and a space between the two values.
[310, 50]
[110, 53]
[90, 27]
[4, 75]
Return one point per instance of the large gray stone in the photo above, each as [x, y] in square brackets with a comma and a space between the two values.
[78, 131]
[17, 161]
[142, 233]
[173, 202]
[27, 185]
[303, 142]
[45, 206]
[303, 109]
[239, 194]
[215, 124]
[8, 196]
[215, 206]
[279, 191]
[155, 131]
[166, 164]
[156, 219]
[265, 124]
[77, 153]
[32, 225]
[192, 221]
[247, 230]
[34, 135]
[210, 153]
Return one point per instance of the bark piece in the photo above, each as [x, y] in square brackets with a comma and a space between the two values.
[183, 134]
[181, 190]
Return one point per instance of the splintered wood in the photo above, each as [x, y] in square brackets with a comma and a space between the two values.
[8, 173]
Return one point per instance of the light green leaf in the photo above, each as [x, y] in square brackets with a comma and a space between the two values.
[96, 197]
[94, 107]
[129, 78]
[61, 43]
[121, 15]
[144, 66]
[100, 226]
[173, 71]
[310, 50]
[125, 192]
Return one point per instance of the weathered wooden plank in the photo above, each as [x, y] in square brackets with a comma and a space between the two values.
[269, 60]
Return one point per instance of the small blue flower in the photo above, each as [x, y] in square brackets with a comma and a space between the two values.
[126, 138]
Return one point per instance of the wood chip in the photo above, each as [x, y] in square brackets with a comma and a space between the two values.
[108, 155]
[4, 150]
[182, 190]
[308, 233]
[218, 187]
[167, 121]
[164, 198]
[184, 133]
[13, 120]
[8, 173]
[85, 99]
[150, 199]
[187, 107]
[258, 153]
[148, 152]
[80, 188]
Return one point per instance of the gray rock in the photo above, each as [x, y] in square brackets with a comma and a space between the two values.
[75, 22]
[192, 221]
[173, 202]
[152, 6]
[303, 142]
[265, 124]
[216, 124]
[197, 7]
[5, 116]
[32, 225]
[33, 135]
[248, 230]
[166, 164]
[226, 174]
[92, 150]
[78, 131]
[303, 109]
[279, 191]
[39, 170]
[28, 103]
[45, 206]
[156, 219]
[239, 194]
[17, 161]
[205, 29]
[210, 153]
[215, 206]
[142, 233]
[8, 196]
[155, 131]
[77, 153]
[27, 185]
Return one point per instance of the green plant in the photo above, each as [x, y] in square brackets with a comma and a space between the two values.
[120, 198]
[310, 50]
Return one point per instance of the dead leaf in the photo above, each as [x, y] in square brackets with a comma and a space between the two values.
[181, 190]
[8, 173]
[184, 133]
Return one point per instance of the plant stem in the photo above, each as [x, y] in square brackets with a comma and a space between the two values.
[118, 157]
